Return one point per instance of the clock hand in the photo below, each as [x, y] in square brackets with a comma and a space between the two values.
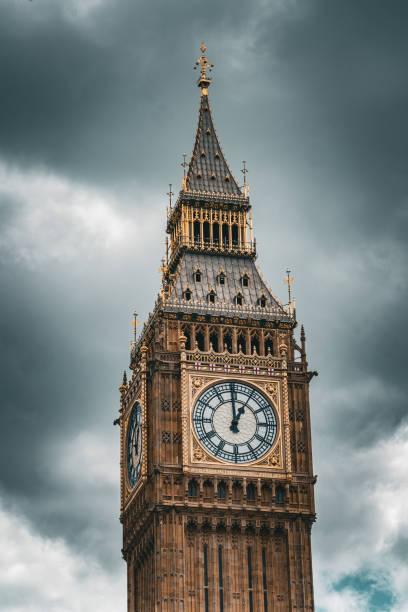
[234, 422]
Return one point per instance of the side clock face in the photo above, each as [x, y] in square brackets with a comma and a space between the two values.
[134, 444]
[234, 422]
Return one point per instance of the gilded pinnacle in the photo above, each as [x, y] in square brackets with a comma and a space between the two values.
[205, 66]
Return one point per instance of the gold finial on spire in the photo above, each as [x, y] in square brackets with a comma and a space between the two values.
[205, 66]
[134, 324]
[289, 281]
[184, 165]
[245, 172]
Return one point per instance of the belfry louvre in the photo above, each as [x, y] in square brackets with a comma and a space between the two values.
[217, 482]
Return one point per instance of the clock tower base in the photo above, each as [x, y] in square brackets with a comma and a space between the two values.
[214, 559]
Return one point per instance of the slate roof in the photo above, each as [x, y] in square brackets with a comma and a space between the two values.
[234, 268]
[208, 170]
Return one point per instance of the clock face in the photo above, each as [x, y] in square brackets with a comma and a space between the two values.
[234, 422]
[134, 444]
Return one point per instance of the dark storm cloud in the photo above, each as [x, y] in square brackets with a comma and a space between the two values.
[314, 96]
[100, 97]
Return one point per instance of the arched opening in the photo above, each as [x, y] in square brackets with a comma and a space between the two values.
[206, 232]
[211, 297]
[227, 341]
[279, 494]
[237, 492]
[197, 236]
[222, 490]
[187, 334]
[268, 345]
[250, 492]
[214, 340]
[192, 488]
[197, 276]
[254, 344]
[266, 494]
[187, 295]
[200, 340]
[216, 233]
[221, 278]
[208, 490]
[235, 235]
[225, 234]
[262, 301]
[241, 343]
[239, 300]
[245, 280]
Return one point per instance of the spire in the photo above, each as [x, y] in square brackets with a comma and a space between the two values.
[208, 169]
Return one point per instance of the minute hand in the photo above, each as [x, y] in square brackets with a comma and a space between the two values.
[234, 422]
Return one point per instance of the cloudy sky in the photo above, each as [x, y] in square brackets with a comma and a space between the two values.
[97, 105]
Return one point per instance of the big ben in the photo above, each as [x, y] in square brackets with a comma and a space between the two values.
[217, 499]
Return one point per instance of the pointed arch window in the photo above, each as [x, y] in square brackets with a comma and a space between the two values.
[214, 340]
[192, 488]
[250, 492]
[239, 299]
[197, 276]
[211, 297]
[222, 278]
[245, 280]
[279, 494]
[187, 295]
[262, 301]
[221, 490]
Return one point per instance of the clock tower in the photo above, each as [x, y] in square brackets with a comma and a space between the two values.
[217, 482]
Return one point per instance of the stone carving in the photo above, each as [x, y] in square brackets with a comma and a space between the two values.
[199, 456]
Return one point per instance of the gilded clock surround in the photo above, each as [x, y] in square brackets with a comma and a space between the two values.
[201, 534]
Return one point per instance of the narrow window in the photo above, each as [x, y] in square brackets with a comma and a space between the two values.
[228, 342]
[206, 232]
[188, 339]
[221, 490]
[200, 341]
[206, 577]
[279, 495]
[220, 579]
[221, 278]
[225, 234]
[192, 488]
[211, 297]
[265, 587]
[235, 234]
[197, 233]
[238, 299]
[262, 301]
[187, 295]
[245, 280]
[251, 603]
[268, 346]
[197, 276]
[214, 341]
[250, 492]
[216, 233]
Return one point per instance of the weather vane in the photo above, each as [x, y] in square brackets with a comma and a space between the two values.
[205, 66]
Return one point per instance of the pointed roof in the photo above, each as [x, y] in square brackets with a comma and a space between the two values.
[208, 170]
